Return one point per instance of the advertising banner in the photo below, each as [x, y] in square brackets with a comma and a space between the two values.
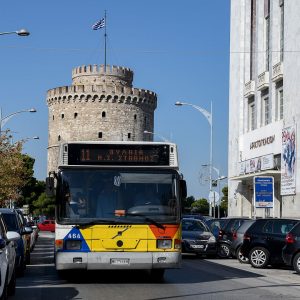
[288, 161]
[263, 192]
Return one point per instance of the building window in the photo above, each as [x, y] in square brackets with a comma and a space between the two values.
[279, 100]
[252, 39]
[75, 115]
[58, 138]
[100, 135]
[129, 135]
[281, 4]
[103, 114]
[251, 114]
[134, 117]
[267, 29]
[266, 116]
[53, 117]
[62, 116]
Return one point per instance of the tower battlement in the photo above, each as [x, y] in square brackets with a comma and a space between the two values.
[97, 74]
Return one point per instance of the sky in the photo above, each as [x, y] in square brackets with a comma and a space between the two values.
[178, 49]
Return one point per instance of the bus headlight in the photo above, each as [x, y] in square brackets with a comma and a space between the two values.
[72, 244]
[164, 244]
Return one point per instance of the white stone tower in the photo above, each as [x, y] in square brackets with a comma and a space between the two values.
[100, 105]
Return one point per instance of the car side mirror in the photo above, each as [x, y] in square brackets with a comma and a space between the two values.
[183, 189]
[12, 236]
[27, 230]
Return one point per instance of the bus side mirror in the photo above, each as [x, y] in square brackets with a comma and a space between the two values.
[50, 186]
[183, 190]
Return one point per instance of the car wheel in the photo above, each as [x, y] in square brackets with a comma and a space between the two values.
[11, 289]
[241, 258]
[27, 260]
[259, 257]
[223, 250]
[296, 263]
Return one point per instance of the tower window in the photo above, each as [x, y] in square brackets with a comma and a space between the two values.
[103, 114]
[75, 115]
[129, 135]
[134, 117]
[58, 138]
[62, 116]
[53, 117]
[100, 135]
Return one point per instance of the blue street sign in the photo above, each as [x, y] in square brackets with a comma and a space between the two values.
[263, 192]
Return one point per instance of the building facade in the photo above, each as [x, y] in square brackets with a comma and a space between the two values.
[100, 105]
[264, 106]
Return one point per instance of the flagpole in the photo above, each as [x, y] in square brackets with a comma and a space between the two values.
[105, 36]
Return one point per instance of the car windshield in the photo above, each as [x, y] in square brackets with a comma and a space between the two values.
[102, 196]
[193, 225]
[11, 222]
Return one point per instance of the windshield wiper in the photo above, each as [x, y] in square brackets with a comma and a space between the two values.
[150, 220]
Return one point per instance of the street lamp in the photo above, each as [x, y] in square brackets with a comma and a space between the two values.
[21, 32]
[160, 136]
[3, 120]
[209, 118]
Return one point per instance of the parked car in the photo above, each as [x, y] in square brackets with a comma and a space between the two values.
[47, 225]
[291, 250]
[34, 235]
[27, 236]
[237, 241]
[7, 260]
[197, 238]
[264, 240]
[13, 223]
[225, 237]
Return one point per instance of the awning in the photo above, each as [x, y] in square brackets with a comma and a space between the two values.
[275, 173]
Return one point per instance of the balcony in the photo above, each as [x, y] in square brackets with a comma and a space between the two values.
[263, 81]
[277, 72]
[249, 88]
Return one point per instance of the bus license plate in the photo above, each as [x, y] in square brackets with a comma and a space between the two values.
[119, 261]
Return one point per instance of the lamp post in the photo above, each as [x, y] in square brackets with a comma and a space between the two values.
[21, 32]
[160, 136]
[3, 120]
[209, 117]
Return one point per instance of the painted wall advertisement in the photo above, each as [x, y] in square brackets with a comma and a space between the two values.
[288, 161]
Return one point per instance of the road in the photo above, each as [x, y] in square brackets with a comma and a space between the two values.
[198, 279]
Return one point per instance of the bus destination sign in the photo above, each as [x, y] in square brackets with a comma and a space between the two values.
[116, 154]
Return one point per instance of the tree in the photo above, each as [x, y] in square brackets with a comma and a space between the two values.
[44, 206]
[187, 203]
[224, 200]
[12, 169]
[201, 206]
[33, 188]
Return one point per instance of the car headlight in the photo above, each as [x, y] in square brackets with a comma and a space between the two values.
[212, 239]
[72, 244]
[164, 244]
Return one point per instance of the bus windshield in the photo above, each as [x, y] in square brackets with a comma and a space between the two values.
[99, 196]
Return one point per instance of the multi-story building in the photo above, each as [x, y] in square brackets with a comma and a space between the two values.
[100, 105]
[264, 106]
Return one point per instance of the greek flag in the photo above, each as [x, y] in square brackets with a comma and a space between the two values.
[99, 24]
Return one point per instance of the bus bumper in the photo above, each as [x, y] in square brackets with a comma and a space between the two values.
[117, 260]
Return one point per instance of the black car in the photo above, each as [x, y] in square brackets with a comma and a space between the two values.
[291, 250]
[264, 240]
[225, 237]
[197, 238]
[237, 241]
